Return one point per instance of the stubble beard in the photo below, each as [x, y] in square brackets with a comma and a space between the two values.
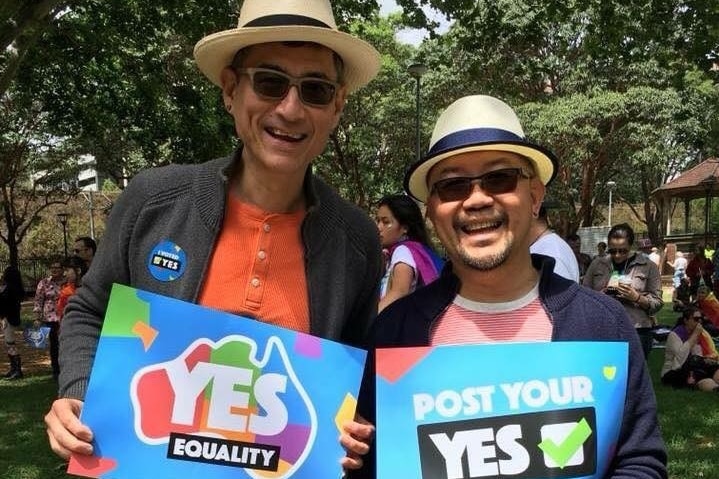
[489, 262]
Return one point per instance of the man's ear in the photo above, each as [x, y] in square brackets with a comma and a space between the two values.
[228, 80]
[537, 191]
[340, 101]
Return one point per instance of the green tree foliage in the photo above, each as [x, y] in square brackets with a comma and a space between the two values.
[620, 90]
[374, 143]
[36, 170]
[22, 22]
[119, 77]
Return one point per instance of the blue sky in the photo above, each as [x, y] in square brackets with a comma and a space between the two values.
[413, 36]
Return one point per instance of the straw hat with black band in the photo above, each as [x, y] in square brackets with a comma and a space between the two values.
[477, 123]
[266, 21]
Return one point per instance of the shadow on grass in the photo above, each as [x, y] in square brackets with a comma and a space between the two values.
[24, 449]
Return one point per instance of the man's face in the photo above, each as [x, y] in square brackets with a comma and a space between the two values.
[575, 244]
[282, 136]
[84, 252]
[56, 271]
[484, 230]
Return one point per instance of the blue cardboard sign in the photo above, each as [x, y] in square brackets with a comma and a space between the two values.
[179, 390]
[520, 410]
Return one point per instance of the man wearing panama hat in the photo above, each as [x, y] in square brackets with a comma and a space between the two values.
[483, 183]
[256, 233]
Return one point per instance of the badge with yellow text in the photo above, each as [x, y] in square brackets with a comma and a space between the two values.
[167, 261]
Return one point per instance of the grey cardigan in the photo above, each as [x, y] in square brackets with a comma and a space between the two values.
[185, 204]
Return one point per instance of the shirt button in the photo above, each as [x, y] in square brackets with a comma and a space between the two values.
[261, 254]
[266, 227]
[255, 282]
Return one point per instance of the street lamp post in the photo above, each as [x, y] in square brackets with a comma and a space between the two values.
[62, 218]
[610, 186]
[416, 70]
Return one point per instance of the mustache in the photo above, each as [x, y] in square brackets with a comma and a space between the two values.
[479, 221]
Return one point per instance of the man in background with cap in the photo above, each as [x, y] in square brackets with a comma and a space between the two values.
[256, 233]
[483, 183]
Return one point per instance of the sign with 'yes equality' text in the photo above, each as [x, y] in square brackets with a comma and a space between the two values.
[524, 410]
[178, 390]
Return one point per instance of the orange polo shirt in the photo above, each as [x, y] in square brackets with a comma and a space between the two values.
[257, 267]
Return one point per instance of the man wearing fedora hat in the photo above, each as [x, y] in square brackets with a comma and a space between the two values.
[256, 233]
[483, 183]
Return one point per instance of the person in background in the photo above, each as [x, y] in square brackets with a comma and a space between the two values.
[644, 245]
[690, 356]
[699, 270]
[85, 248]
[601, 249]
[483, 183]
[411, 261]
[681, 296]
[73, 271]
[715, 264]
[631, 278]
[547, 242]
[583, 259]
[45, 310]
[709, 306]
[258, 232]
[655, 257]
[680, 267]
[11, 296]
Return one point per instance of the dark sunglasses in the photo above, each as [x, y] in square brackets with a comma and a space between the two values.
[697, 318]
[274, 85]
[614, 251]
[493, 183]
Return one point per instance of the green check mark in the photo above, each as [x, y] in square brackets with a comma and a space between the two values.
[562, 453]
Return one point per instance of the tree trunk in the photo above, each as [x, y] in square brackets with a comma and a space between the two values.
[11, 239]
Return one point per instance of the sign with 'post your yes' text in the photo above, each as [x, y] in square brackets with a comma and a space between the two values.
[524, 410]
[178, 390]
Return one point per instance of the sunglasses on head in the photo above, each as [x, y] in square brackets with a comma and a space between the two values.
[493, 183]
[274, 85]
[617, 251]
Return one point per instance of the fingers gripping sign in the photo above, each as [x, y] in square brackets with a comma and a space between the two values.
[66, 433]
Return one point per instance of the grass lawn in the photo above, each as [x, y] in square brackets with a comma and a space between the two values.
[689, 422]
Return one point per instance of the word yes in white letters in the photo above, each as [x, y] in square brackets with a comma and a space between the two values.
[188, 385]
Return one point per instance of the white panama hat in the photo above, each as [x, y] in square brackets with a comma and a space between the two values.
[477, 123]
[266, 21]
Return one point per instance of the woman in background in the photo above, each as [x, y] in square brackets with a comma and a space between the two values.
[11, 295]
[690, 357]
[632, 279]
[410, 261]
[74, 266]
[45, 309]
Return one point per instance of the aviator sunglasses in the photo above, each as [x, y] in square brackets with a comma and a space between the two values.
[274, 85]
[493, 183]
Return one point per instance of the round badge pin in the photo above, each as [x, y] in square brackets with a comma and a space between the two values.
[167, 261]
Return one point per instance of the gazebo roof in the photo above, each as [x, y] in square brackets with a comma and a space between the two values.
[696, 182]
